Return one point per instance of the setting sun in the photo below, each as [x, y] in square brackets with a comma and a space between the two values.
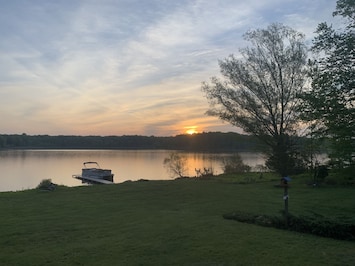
[191, 130]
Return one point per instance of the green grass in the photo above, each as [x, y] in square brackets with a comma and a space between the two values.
[176, 222]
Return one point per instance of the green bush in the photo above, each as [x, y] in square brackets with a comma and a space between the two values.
[341, 177]
[234, 164]
[311, 225]
[46, 184]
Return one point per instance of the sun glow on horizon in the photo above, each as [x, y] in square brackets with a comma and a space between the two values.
[191, 130]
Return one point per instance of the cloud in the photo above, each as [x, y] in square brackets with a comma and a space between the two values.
[125, 67]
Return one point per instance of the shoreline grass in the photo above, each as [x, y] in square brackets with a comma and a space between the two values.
[177, 222]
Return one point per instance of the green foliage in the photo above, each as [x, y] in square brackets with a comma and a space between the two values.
[346, 8]
[259, 92]
[285, 157]
[2, 141]
[321, 172]
[209, 141]
[312, 225]
[46, 184]
[234, 164]
[330, 104]
[341, 177]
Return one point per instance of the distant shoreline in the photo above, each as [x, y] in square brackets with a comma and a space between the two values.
[204, 142]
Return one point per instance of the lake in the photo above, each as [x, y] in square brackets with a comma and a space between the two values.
[24, 169]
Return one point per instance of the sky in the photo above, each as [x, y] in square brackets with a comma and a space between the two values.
[126, 67]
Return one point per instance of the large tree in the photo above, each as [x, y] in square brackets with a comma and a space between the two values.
[330, 103]
[258, 90]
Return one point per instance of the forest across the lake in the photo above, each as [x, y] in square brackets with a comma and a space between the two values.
[210, 141]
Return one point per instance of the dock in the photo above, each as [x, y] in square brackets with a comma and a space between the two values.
[92, 180]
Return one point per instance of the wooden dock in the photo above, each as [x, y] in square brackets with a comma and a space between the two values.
[92, 180]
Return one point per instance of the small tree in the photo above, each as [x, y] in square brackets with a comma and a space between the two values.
[234, 164]
[176, 164]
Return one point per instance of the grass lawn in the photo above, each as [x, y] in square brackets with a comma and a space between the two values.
[177, 222]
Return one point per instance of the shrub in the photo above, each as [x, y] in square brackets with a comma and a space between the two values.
[205, 173]
[46, 184]
[234, 164]
[321, 172]
[311, 225]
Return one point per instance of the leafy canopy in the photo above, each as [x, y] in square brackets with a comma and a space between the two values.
[330, 103]
[259, 90]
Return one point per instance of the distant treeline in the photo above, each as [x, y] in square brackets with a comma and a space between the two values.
[211, 141]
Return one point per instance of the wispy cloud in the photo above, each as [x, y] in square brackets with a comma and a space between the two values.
[125, 67]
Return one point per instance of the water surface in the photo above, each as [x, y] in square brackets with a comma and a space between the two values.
[24, 169]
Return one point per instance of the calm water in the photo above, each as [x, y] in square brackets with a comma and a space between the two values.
[24, 169]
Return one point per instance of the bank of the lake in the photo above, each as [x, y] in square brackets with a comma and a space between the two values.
[177, 222]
